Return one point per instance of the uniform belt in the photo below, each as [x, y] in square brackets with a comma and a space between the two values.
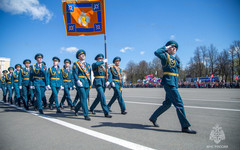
[82, 76]
[55, 78]
[38, 77]
[116, 80]
[67, 80]
[25, 78]
[100, 77]
[170, 73]
[15, 80]
[8, 82]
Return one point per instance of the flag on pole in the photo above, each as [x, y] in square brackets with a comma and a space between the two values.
[236, 78]
[84, 17]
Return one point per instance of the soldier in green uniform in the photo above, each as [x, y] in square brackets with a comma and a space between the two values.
[117, 85]
[171, 65]
[75, 99]
[68, 83]
[82, 76]
[101, 83]
[24, 82]
[16, 84]
[4, 85]
[9, 84]
[38, 79]
[44, 99]
[55, 82]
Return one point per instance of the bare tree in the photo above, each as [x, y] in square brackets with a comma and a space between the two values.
[198, 61]
[223, 64]
[131, 71]
[236, 45]
[204, 58]
[212, 53]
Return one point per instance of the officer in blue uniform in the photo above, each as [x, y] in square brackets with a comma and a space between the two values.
[38, 79]
[101, 83]
[4, 85]
[44, 99]
[55, 82]
[170, 66]
[16, 84]
[117, 85]
[68, 82]
[75, 99]
[82, 76]
[9, 84]
[24, 83]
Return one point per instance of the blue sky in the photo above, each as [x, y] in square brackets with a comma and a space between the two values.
[135, 29]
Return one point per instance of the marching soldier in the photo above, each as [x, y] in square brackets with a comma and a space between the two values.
[4, 85]
[24, 82]
[75, 99]
[117, 85]
[16, 85]
[9, 84]
[101, 83]
[55, 82]
[38, 79]
[67, 83]
[82, 76]
[170, 65]
[44, 99]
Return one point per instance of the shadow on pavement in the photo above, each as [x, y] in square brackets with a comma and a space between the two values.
[133, 126]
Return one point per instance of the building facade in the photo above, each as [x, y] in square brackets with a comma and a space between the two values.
[4, 64]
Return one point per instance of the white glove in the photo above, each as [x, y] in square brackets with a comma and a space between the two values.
[113, 84]
[20, 87]
[167, 47]
[105, 60]
[79, 83]
[74, 87]
[107, 83]
[5, 88]
[31, 87]
[62, 88]
[12, 87]
[49, 87]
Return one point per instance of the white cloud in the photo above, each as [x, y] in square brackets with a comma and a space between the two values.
[142, 52]
[172, 37]
[198, 40]
[123, 50]
[69, 49]
[30, 7]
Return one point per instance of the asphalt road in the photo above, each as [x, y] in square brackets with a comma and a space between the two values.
[204, 109]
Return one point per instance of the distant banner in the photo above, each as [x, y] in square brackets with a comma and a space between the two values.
[84, 17]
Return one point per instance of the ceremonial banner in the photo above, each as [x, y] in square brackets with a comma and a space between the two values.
[84, 17]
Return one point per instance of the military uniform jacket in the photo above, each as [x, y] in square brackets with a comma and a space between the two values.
[3, 81]
[9, 80]
[116, 75]
[16, 78]
[67, 76]
[170, 66]
[54, 77]
[24, 77]
[38, 76]
[82, 72]
[100, 74]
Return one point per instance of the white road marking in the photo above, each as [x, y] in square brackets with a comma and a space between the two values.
[211, 108]
[105, 137]
[192, 99]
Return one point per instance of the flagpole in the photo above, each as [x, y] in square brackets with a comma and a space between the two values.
[105, 42]
[106, 66]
